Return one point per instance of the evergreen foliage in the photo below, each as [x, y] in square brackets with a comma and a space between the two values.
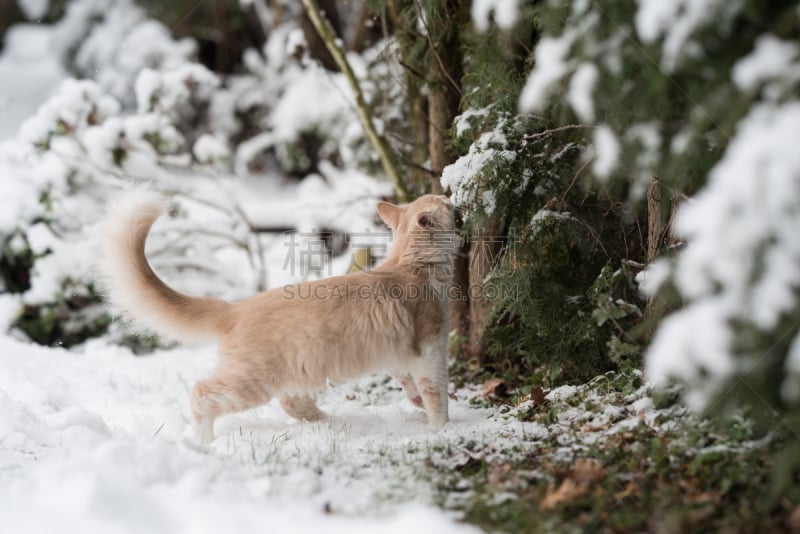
[565, 298]
[701, 95]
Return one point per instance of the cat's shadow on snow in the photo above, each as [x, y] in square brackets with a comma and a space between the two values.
[271, 421]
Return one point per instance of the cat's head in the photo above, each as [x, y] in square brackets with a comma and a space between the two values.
[427, 213]
[423, 229]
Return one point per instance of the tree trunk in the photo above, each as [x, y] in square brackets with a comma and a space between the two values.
[366, 31]
[444, 78]
[406, 37]
[439, 121]
[445, 71]
[655, 220]
[485, 249]
[655, 234]
[659, 235]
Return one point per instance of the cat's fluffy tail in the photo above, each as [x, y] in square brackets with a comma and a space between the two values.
[131, 284]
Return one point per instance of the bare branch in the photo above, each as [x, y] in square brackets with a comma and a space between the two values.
[379, 143]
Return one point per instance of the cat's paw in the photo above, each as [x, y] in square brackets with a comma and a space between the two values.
[203, 432]
[313, 416]
[437, 421]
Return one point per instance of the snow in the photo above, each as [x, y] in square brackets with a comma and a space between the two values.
[539, 218]
[114, 42]
[56, 273]
[210, 148]
[749, 204]
[173, 88]
[464, 122]
[675, 21]
[607, 150]
[68, 109]
[563, 392]
[647, 135]
[652, 278]
[27, 59]
[34, 9]
[580, 91]
[97, 439]
[551, 66]
[459, 176]
[9, 309]
[466, 178]
[504, 13]
[314, 99]
[771, 59]
[296, 40]
[790, 388]
[19, 196]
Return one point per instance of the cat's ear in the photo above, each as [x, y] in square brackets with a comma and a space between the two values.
[389, 213]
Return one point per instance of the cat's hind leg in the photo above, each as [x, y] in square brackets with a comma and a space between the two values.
[302, 407]
[229, 390]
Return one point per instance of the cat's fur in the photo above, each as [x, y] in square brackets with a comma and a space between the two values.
[288, 342]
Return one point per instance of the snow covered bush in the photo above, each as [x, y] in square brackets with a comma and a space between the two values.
[740, 272]
[653, 78]
[141, 108]
[76, 149]
[112, 41]
[702, 96]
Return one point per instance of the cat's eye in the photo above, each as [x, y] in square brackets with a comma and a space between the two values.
[425, 221]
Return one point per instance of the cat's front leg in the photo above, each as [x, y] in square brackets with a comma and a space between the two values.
[429, 372]
[409, 388]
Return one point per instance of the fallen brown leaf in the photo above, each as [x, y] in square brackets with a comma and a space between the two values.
[631, 490]
[588, 470]
[568, 491]
[706, 497]
[495, 386]
[538, 396]
[499, 475]
[592, 427]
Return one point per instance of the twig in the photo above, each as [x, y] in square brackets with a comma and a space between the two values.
[537, 135]
[159, 429]
[379, 143]
[574, 179]
[455, 86]
[255, 258]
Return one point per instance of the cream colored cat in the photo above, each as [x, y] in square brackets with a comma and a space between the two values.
[288, 342]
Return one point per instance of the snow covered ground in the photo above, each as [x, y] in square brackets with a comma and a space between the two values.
[99, 439]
